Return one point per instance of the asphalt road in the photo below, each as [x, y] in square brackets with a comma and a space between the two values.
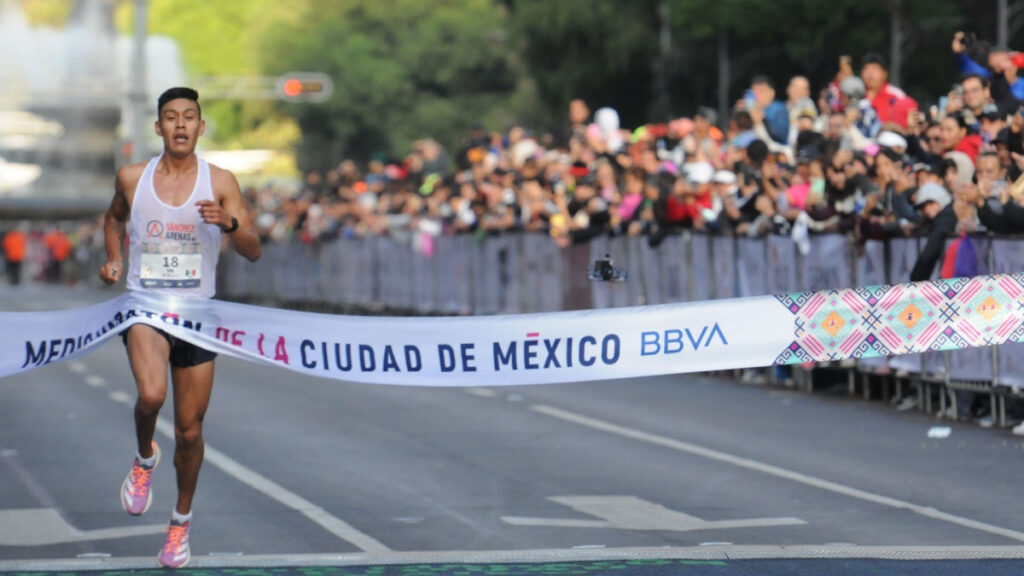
[666, 472]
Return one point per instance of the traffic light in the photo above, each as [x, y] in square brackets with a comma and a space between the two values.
[304, 87]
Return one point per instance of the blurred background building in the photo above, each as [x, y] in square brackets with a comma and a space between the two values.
[64, 108]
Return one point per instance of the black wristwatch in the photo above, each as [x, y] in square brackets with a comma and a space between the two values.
[234, 226]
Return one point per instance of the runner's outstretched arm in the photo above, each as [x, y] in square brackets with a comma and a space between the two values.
[114, 230]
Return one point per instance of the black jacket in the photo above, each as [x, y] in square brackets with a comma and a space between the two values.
[943, 226]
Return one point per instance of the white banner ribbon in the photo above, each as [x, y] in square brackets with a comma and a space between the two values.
[553, 347]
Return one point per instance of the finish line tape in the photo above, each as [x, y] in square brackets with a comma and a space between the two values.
[553, 347]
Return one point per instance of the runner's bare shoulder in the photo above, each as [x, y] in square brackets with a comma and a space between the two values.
[128, 179]
[223, 181]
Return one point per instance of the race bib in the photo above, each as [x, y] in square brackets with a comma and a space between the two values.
[171, 270]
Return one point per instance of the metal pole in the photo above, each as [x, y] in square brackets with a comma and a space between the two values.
[1002, 22]
[137, 83]
[724, 75]
[662, 106]
[896, 41]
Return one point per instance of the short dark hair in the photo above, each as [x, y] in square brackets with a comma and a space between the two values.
[984, 81]
[743, 120]
[958, 117]
[174, 94]
[757, 152]
[986, 154]
[873, 58]
[761, 79]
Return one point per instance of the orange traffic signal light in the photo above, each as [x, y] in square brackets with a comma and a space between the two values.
[305, 87]
[292, 87]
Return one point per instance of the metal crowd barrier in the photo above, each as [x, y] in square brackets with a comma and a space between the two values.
[524, 273]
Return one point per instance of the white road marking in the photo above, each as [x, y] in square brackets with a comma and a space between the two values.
[121, 397]
[276, 492]
[42, 526]
[78, 367]
[771, 470]
[95, 381]
[482, 392]
[632, 513]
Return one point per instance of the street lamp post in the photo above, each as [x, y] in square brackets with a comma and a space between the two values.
[137, 83]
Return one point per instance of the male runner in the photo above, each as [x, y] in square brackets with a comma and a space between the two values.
[175, 208]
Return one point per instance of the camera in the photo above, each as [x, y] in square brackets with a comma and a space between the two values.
[604, 270]
[966, 40]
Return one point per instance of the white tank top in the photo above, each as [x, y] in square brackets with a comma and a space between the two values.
[171, 249]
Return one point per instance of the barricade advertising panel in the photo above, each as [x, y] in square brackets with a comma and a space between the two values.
[724, 258]
[701, 267]
[752, 271]
[827, 267]
[871, 264]
[782, 264]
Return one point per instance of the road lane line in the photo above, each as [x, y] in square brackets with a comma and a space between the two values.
[481, 392]
[267, 487]
[276, 492]
[121, 397]
[769, 469]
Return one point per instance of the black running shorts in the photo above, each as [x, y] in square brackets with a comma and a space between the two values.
[183, 353]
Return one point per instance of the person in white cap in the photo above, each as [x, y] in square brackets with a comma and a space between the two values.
[893, 141]
[726, 194]
[936, 205]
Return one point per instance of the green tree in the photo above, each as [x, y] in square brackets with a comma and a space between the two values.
[222, 38]
[607, 51]
[783, 38]
[402, 70]
[602, 51]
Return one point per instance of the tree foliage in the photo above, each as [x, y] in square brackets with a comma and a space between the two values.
[402, 70]
[599, 50]
[409, 69]
[783, 38]
[222, 39]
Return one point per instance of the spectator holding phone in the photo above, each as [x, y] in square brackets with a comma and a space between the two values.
[971, 97]
[1001, 71]
[767, 109]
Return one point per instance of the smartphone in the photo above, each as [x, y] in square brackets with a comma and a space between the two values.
[748, 98]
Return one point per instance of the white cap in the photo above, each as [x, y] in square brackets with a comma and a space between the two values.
[932, 192]
[892, 140]
[699, 172]
[724, 177]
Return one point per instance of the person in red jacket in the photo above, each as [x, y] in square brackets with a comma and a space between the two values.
[955, 136]
[890, 103]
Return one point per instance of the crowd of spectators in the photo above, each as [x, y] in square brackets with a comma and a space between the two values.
[858, 156]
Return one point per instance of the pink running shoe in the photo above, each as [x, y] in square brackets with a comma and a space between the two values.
[176, 553]
[135, 494]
